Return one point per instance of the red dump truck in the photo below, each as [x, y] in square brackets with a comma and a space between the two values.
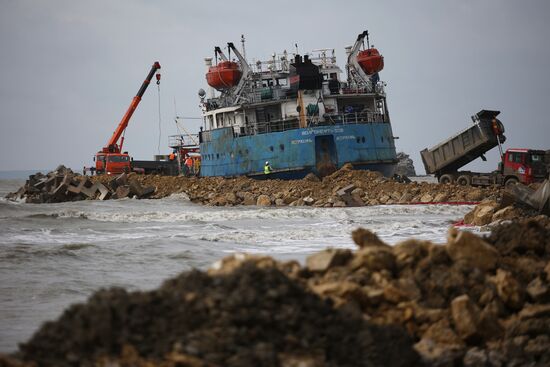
[487, 132]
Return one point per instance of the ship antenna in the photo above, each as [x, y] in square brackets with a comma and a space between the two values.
[296, 45]
[242, 42]
[368, 43]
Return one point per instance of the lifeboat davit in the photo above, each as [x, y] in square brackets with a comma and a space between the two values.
[370, 61]
[224, 75]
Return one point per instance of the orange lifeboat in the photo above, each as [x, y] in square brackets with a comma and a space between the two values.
[224, 75]
[370, 61]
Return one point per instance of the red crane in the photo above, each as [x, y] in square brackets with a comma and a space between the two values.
[111, 159]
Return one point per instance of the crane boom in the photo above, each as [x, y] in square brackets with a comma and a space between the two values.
[112, 146]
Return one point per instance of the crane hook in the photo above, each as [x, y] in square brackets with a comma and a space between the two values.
[158, 78]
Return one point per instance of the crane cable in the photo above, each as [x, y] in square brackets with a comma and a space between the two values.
[160, 120]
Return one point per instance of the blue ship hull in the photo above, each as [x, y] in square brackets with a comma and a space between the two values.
[295, 153]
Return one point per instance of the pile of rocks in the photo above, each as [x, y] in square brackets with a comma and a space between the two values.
[63, 184]
[345, 187]
[252, 316]
[470, 302]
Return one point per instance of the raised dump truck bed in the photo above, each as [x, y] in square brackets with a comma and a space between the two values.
[460, 149]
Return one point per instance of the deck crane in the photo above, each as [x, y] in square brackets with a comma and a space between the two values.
[111, 159]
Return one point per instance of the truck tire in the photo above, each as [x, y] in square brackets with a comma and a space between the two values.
[511, 181]
[464, 180]
[446, 179]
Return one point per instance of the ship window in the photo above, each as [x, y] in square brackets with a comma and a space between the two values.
[358, 139]
[271, 148]
[363, 139]
[240, 152]
[246, 151]
[217, 155]
[382, 139]
[282, 147]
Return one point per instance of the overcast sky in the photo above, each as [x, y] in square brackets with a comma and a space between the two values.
[70, 68]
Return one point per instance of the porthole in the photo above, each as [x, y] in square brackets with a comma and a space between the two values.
[358, 139]
[282, 147]
[363, 139]
[271, 148]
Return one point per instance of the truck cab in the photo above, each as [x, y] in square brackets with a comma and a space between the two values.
[525, 165]
[112, 163]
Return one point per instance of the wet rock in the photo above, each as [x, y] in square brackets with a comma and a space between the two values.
[463, 246]
[482, 214]
[122, 192]
[249, 199]
[263, 200]
[280, 202]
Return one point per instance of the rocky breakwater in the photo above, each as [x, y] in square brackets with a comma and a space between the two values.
[63, 185]
[346, 187]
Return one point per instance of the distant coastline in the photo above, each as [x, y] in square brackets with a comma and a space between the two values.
[20, 174]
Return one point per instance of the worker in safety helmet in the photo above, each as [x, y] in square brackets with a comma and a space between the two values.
[172, 156]
[267, 168]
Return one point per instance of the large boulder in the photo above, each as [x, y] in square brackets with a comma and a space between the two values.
[263, 200]
[464, 246]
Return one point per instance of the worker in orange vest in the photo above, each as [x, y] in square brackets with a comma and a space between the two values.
[172, 156]
[189, 165]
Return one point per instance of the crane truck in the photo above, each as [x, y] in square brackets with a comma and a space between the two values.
[487, 132]
[111, 159]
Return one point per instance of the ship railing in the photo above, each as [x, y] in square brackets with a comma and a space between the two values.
[178, 141]
[362, 117]
[275, 126]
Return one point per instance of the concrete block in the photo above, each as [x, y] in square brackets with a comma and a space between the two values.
[104, 192]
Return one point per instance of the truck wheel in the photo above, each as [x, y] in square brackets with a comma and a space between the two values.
[464, 180]
[446, 179]
[512, 181]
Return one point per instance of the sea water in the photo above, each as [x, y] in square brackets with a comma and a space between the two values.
[53, 255]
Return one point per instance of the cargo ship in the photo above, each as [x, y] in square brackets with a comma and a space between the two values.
[296, 112]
